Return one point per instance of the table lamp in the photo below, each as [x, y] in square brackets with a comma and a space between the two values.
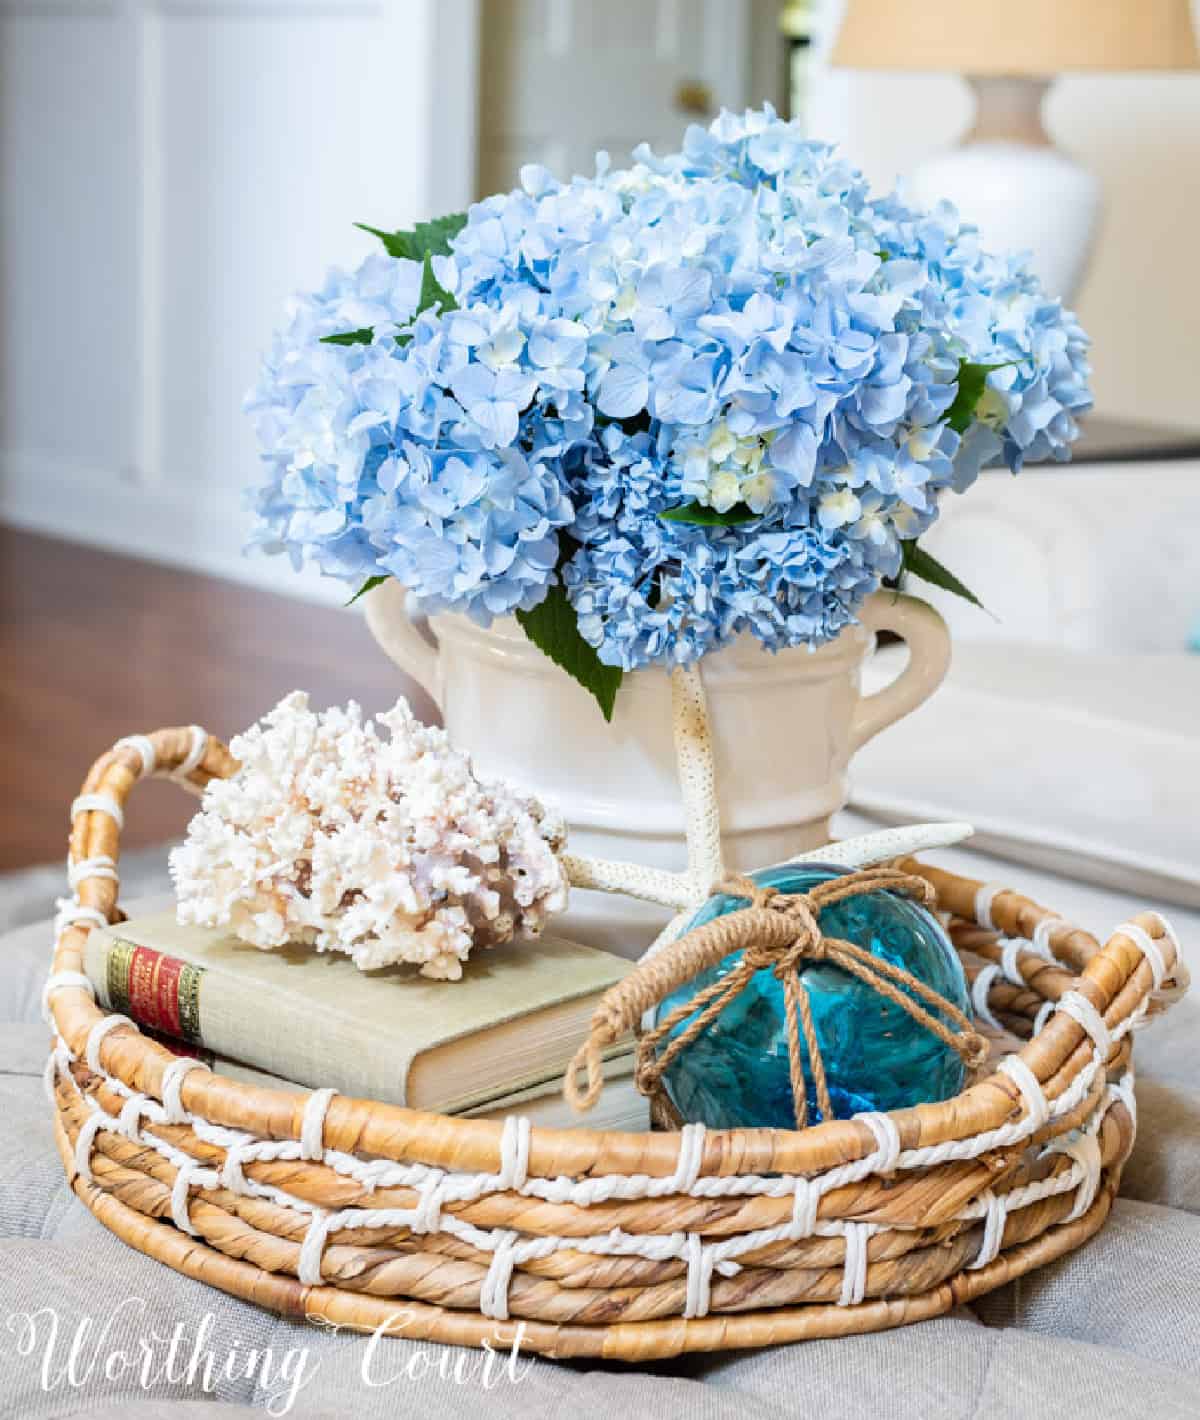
[1007, 176]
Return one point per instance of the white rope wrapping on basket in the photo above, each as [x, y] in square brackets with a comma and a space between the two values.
[887, 1137]
[189, 1175]
[1179, 973]
[1084, 1149]
[56, 981]
[995, 1216]
[1040, 941]
[854, 1273]
[182, 772]
[506, 1250]
[237, 1154]
[699, 1277]
[312, 1249]
[493, 1294]
[984, 898]
[437, 1184]
[172, 1084]
[514, 1154]
[96, 1036]
[1037, 1106]
[1149, 949]
[1122, 1090]
[806, 1196]
[980, 988]
[1013, 948]
[70, 914]
[55, 1066]
[1010, 951]
[312, 1126]
[86, 1137]
[691, 1156]
[1076, 1005]
[437, 1187]
[98, 804]
[101, 866]
[143, 747]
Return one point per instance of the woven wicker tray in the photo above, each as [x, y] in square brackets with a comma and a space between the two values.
[625, 1246]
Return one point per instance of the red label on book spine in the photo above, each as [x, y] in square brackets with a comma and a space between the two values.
[158, 991]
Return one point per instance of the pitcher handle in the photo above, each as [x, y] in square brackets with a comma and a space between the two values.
[922, 629]
[392, 626]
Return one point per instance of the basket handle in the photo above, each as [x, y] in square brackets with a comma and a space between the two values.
[185, 753]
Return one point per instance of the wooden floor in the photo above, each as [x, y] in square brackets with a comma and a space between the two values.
[94, 646]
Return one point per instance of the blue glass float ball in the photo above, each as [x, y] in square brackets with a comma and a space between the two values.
[877, 1057]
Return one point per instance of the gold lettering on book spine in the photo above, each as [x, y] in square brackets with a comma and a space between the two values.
[159, 992]
[189, 1003]
[116, 977]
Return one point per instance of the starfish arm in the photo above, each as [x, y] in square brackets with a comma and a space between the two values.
[629, 879]
[869, 849]
[697, 779]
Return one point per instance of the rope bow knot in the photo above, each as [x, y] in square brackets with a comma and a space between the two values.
[776, 932]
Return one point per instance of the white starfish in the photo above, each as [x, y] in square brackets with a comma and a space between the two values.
[687, 892]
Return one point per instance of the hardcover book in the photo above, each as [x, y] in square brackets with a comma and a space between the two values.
[509, 1026]
[619, 1108]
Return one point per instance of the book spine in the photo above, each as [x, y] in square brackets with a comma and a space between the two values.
[286, 1035]
[185, 1007]
[215, 1013]
[157, 991]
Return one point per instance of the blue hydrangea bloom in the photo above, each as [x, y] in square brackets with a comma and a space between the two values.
[740, 327]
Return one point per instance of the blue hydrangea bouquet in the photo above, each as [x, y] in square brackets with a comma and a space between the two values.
[650, 410]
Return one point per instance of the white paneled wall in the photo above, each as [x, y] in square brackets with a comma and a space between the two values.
[172, 171]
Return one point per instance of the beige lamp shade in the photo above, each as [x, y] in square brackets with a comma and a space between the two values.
[1026, 37]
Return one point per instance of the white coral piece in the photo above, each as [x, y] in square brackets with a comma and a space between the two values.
[390, 850]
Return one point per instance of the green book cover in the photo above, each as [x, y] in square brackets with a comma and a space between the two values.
[514, 1019]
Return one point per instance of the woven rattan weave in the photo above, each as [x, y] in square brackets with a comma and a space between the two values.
[628, 1246]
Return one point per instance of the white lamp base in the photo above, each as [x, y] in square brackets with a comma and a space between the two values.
[1021, 191]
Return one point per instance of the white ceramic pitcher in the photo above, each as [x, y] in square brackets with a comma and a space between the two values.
[784, 727]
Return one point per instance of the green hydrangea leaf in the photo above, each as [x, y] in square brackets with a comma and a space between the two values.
[436, 235]
[433, 293]
[553, 628]
[425, 240]
[972, 381]
[916, 562]
[362, 336]
[431, 238]
[368, 586]
[703, 517]
[394, 242]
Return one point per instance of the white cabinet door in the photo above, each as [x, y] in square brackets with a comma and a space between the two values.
[70, 240]
[171, 171]
[562, 78]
